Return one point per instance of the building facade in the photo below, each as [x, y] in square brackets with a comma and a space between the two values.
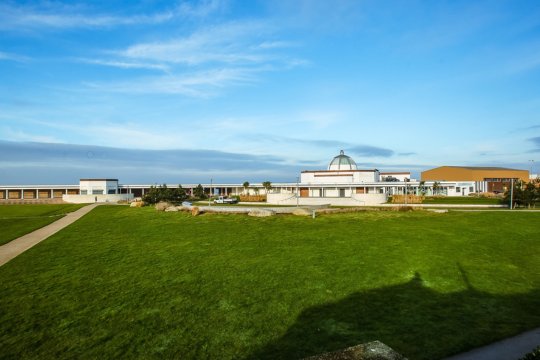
[341, 183]
[487, 179]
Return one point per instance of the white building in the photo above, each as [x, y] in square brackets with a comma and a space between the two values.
[97, 190]
[341, 184]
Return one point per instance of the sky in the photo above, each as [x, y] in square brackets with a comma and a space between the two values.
[188, 91]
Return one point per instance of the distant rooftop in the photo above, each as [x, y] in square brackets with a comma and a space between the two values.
[483, 168]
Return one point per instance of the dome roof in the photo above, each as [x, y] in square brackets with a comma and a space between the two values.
[342, 162]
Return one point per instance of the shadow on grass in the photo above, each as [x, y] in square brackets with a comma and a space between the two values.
[411, 318]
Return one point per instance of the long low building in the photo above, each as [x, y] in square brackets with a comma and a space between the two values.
[342, 183]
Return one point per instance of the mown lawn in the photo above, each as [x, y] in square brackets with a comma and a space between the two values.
[125, 282]
[470, 200]
[17, 220]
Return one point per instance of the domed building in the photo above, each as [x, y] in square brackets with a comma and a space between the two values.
[342, 183]
[342, 170]
[342, 162]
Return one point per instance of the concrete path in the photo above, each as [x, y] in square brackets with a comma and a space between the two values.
[512, 348]
[17, 246]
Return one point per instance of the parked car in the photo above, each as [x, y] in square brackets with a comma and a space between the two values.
[225, 200]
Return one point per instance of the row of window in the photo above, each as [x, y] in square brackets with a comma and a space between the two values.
[98, 192]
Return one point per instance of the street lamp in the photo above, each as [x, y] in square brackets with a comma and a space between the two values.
[210, 194]
[297, 194]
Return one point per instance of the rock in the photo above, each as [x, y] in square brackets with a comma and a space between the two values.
[440, 211]
[171, 208]
[374, 350]
[195, 211]
[162, 205]
[136, 204]
[301, 212]
[261, 212]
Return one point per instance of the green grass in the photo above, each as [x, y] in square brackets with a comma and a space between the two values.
[17, 220]
[469, 200]
[126, 282]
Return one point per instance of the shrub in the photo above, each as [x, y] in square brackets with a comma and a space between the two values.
[162, 193]
[534, 355]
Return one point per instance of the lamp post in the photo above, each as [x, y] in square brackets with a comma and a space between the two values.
[406, 192]
[297, 194]
[511, 192]
[210, 193]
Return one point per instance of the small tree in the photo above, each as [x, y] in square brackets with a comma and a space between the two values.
[198, 192]
[267, 185]
[246, 186]
[523, 194]
[436, 187]
[162, 193]
[422, 187]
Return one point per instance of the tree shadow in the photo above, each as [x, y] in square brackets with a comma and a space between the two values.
[411, 318]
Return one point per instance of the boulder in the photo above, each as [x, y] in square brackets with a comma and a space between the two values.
[171, 208]
[261, 212]
[195, 211]
[136, 204]
[374, 350]
[162, 205]
[302, 212]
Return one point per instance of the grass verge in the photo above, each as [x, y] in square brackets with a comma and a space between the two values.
[18, 220]
[133, 282]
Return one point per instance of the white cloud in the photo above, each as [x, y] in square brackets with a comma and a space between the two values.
[125, 64]
[53, 15]
[202, 62]
[13, 57]
[226, 43]
[199, 84]
[19, 135]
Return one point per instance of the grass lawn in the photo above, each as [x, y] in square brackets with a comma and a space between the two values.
[17, 220]
[132, 282]
[462, 200]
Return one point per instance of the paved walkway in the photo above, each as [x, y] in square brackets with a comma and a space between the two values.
[18, 246]
[512, 348]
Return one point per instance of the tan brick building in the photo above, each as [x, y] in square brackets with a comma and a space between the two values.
[497, 179]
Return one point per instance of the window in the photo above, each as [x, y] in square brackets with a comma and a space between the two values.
[97, 192]
[471, 189]
[458, 189]
[111, 191]
[341, 192]
[84, 192]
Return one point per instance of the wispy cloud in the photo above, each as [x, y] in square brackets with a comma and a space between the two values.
[536, 142]
[199, 84]
[126, 64]
[366, 150]
[201, 62]
[54, 15]
[13, 57]
[229, 43]
[357, 149]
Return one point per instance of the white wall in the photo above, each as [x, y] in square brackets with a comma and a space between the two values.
[338, 177]
[84, 199]
[355, 200]
[97, 185]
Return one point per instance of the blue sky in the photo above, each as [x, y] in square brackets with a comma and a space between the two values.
[163, 91]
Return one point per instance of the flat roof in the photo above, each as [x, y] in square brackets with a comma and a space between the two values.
[483, 168]
[98, 179]
[335, 171]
